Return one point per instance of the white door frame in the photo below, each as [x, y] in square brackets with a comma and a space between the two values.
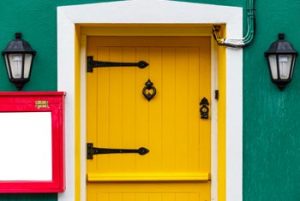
[154, 12]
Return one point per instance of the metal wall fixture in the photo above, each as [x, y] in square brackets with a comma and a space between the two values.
[204, 110]
[281, 57]
[149, 91]
[91, 64]
[248, 37]
[91, 151]
[18, 56]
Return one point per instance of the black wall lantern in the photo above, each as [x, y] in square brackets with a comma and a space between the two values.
[18, 56]
[281, 58]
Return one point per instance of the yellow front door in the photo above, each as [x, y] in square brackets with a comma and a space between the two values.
[178, 165]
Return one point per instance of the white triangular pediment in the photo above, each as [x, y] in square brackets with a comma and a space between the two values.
[151, 11]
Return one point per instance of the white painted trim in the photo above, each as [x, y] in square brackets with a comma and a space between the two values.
[28, 132]
[83, 116]
[66, 82]
[156, 12]
[214, 121]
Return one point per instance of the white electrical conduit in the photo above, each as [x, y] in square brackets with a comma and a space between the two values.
[247, 39]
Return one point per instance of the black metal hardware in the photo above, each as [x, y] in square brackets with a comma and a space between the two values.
[101, 64]
[149, 91]
[18, 56]
[91, 151]
[217, 94]
[204, 110]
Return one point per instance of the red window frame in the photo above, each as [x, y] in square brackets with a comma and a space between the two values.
[52, 102]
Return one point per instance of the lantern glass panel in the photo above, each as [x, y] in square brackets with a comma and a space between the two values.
[285, 63]
[293, 65]
[7, 66]
[16, 65]
[27, 65]
[273, 66]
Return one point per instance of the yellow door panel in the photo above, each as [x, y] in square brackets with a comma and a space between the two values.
[119, 116]
[150, 191]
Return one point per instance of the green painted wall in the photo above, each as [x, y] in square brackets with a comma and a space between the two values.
[271, 127]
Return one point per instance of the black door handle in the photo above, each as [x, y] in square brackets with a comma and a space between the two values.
[91, 151]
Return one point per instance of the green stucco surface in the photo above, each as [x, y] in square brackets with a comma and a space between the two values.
[271, 127]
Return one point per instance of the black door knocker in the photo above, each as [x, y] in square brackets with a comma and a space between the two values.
[204, 110]
[149, 91]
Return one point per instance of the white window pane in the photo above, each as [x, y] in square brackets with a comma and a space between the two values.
[25, 146]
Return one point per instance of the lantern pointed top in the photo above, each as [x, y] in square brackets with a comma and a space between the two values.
[18, 45]
[281, 46]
